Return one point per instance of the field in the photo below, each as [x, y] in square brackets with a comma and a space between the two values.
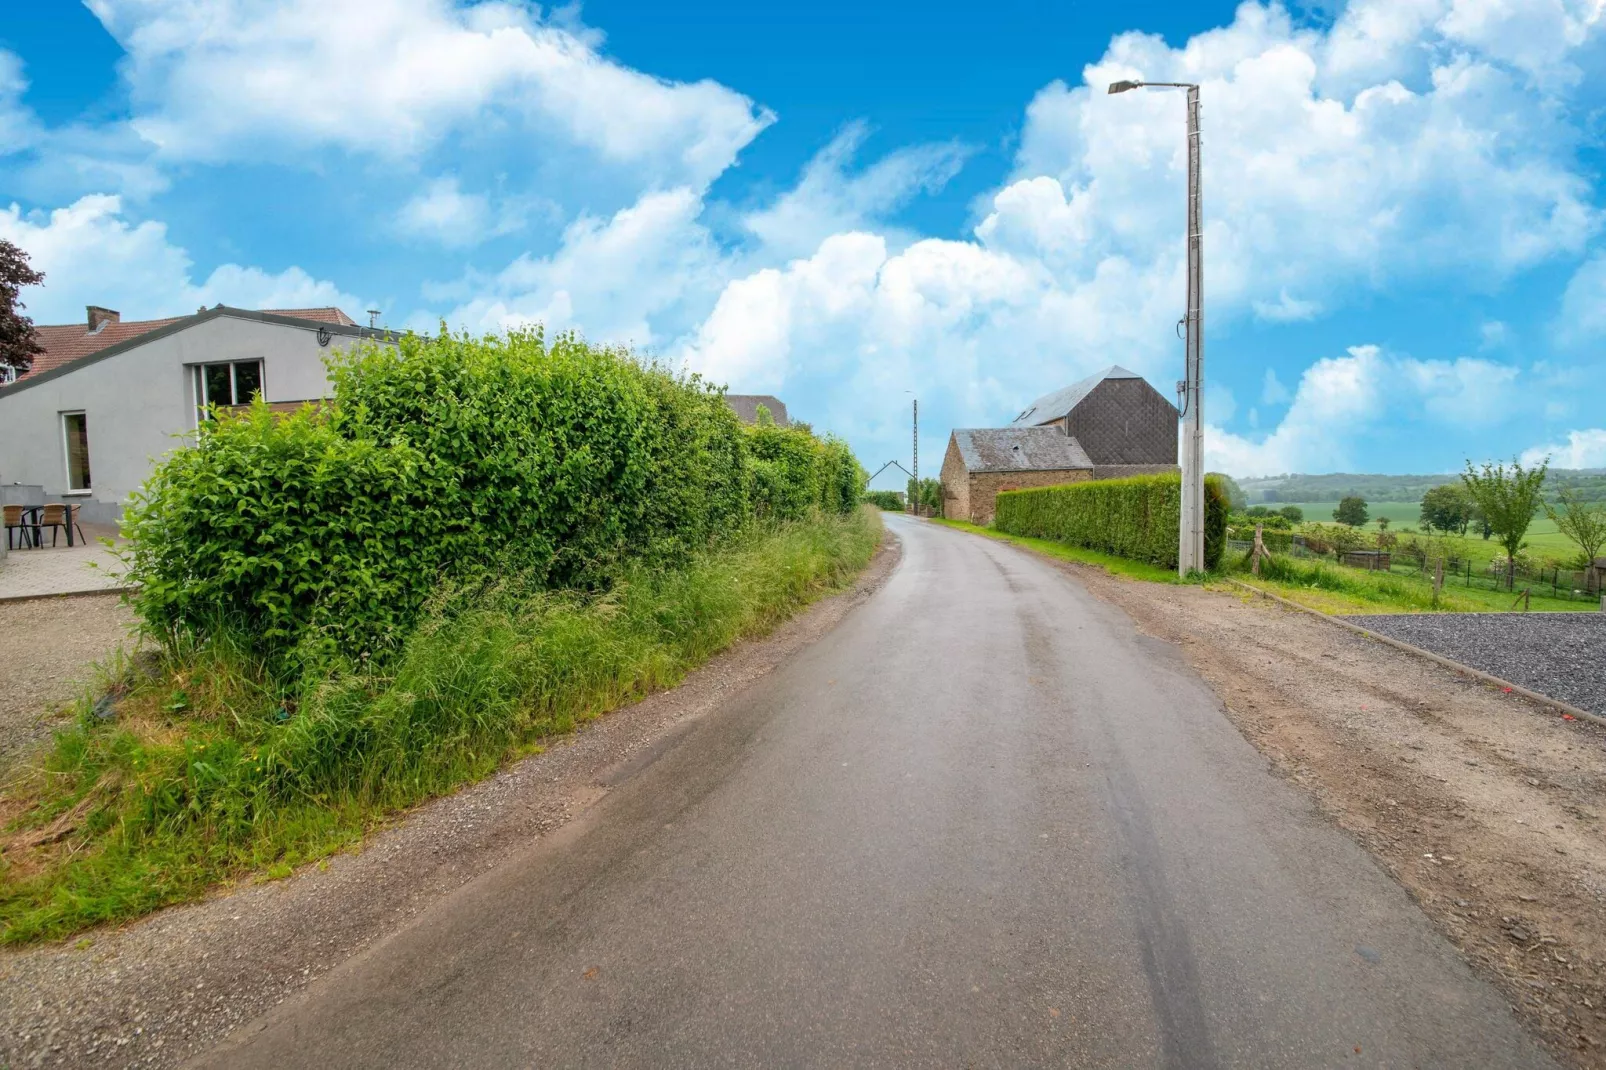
[1543, 538]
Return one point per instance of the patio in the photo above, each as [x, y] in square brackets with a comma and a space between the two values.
[41, 573]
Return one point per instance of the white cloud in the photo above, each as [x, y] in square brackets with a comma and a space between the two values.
[91, 254]
[1272, 391]
[613, 277]
[1341, 402]
[1336, 396]
[831, 200]
[1583, 306]
[236, 79]
[1465, 391]
[1392, 149]
[1583, 449]
[444, 213]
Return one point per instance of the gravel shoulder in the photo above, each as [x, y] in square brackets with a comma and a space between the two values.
[1488, 809]
[159, 991]
[1562, 655]
[52, 645]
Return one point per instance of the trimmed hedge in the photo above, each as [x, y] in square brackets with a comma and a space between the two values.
[322, 534]
[1138, 517]
[889, 500]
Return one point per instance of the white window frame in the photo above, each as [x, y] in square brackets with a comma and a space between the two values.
[66, 455]
[198, 382]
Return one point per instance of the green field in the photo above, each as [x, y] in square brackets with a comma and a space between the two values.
[1543, 538]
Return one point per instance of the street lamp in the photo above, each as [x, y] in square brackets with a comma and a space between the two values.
[1191, 551]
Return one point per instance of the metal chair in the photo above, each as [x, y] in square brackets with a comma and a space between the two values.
[16, 520]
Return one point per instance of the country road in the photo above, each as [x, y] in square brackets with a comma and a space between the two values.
[982, 822]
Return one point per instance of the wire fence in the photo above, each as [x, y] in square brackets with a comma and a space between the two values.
[1560, 583]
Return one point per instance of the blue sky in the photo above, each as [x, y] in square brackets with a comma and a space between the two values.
[841, 203]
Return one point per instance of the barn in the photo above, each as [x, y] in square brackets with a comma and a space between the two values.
[1106, 426]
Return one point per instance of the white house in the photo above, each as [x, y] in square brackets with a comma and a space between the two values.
[107, 398]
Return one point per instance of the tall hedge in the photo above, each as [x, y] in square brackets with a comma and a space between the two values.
[1138, 517]
[322, 533]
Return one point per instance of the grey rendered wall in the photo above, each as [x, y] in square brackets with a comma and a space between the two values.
[138, 400]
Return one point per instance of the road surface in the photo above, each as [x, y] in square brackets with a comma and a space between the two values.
[982, 823]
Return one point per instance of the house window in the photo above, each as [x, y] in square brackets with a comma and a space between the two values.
[75, 435]
[232, 383]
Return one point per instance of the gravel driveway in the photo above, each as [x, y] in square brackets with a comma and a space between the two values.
[1562, 655]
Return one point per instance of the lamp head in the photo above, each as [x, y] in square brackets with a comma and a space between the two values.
[1123, 86]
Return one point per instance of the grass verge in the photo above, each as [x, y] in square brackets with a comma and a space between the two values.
[1119, 566]
[209, 774]
[1339, 589]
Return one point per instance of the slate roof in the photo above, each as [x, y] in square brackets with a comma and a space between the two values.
[1019, 449]
[65, 343]
[746, 407]
[1053, 406]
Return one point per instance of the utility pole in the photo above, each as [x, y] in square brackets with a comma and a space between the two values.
[917, 456]
[1190, 555]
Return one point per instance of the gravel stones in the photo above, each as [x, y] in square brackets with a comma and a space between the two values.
[1562, 655]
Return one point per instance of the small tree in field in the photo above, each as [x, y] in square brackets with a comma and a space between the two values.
[1447, 508]
[1351, 511]
[18, 342]
[1507, 500]
[1293, 513]
[1581, 521]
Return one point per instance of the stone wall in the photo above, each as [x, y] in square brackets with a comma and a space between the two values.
[955, 484]
[985, 486]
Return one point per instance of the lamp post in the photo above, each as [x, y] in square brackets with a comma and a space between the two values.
[1191, 549]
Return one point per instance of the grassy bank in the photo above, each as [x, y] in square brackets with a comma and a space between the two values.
[1335, 588]
[1119, 566]
[208, 774]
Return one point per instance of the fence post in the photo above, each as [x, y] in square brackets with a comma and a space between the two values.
[1438, 580]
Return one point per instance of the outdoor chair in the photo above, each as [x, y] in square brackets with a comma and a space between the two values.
[15, 517]
[56, 517]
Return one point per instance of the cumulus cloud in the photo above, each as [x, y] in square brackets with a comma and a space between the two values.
[1391, 148]
[237, 79]
[1336, 397]
[91, 254]
[1582, 449]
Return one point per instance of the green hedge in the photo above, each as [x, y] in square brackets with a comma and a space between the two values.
[1136, 518]
[890, 500]
[322, 533]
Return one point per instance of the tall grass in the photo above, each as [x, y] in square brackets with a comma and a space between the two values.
[1340, 589]
[209, 772]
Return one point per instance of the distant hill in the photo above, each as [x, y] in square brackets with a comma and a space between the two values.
[1380, 488]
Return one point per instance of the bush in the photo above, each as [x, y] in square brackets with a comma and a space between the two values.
[321, 535]
[889, 500]
[1136, 518]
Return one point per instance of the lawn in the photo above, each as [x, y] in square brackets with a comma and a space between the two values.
[1543, 538]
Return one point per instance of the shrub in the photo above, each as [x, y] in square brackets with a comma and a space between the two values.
[889, 500]
[1136, 518]
[321, 535]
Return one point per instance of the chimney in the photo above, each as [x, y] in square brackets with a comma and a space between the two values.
[99, 317]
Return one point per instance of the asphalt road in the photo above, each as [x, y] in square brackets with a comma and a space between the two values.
[983, 822]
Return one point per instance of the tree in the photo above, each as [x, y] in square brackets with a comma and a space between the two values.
[1507, 501]
[928, 494]
[1294, 513]
[1584, 522]
[1236, 499]
[1351, 511]
[1447, 508]
[1382, 523]
[19, 344]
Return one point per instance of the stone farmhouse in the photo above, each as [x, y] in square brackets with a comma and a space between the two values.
[1107, 426]
[108, 397]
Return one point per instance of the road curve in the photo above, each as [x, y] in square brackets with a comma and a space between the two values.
[983, 822]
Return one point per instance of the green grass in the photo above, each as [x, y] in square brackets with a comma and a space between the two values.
[211, 774]
[1335, 588]
[1119, 566]
[1543, 538]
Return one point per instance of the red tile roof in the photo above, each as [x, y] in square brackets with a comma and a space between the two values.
[68, 342]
